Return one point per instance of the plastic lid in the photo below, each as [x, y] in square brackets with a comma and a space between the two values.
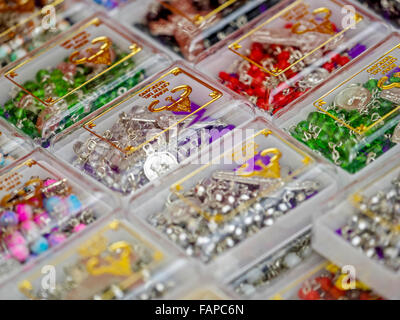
[84, 70]
[252, 186]
[29, 25]
[357, 122]
[108, 263]
[148, 133]
[189, 28]
[293, 48]
[326, 281]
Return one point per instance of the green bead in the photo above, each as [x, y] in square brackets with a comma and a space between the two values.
[313, 117]
[9, 105]
[312, 144]
[371, 84]
[329, 128]
[20, 95]
[19, 113]
[394, 79]
[30, 86]
[39, 93]
[334, 113]
[56, 74]
[41, 73]
[29, 128]
[347, 150]
[323, 140]
[79, 80]
[61, 87]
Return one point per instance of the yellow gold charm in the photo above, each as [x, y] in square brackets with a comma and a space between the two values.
[117, 267]
[313, 25]
[272, 170]
[182, 104]
[101, 56]
[383, 86]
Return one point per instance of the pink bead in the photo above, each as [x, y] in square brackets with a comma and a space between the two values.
[16, 238]
[56, 238]
[41, 219]
[49, 182]
[35, 202]
[28, 226]
[19, 252]
[79, 227]
[24, 212]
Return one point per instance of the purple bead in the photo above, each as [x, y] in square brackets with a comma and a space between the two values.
[356, 50]
[339, 231]
[379, 252]
[8, 219]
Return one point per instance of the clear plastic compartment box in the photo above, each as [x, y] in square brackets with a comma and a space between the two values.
[228, 208]
[80, 72]
[146, 135]
[188, 28]
[43, 205]
[291, 49]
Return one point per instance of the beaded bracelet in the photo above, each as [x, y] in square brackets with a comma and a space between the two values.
[29, 114]
[331, 285]
[165, 25]
[373, 226]
[126, 173]
[277, 49]
[359, 105]
[227, 208]
[274, 267]
[37, 217]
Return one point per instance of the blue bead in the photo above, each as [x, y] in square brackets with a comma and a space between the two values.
[53, 203]
[8, 219]
[40, 245]
[74, 204]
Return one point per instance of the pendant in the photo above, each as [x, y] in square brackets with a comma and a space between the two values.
[316, 77]
[392, 95]
[157, 163]
[396, 135]
[354, 97]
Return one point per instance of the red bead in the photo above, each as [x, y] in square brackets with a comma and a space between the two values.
[329, 66]
[262, 103]
[335, 58]
[282, 65]
[336, 293]
[325, 283]
[224, 76]
[253, 71]
[313, 295]
[343, 60]
[256, 55]
[365, 296]
[256, 46]
[257, 81]
[250, 91]
[288, 25]
[284, 56]
[260, 92]
[234, 81]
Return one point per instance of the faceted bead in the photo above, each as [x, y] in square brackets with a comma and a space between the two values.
[41, 74]
[30, 86]
[19, 113]
[371, 84]
[56, 74]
